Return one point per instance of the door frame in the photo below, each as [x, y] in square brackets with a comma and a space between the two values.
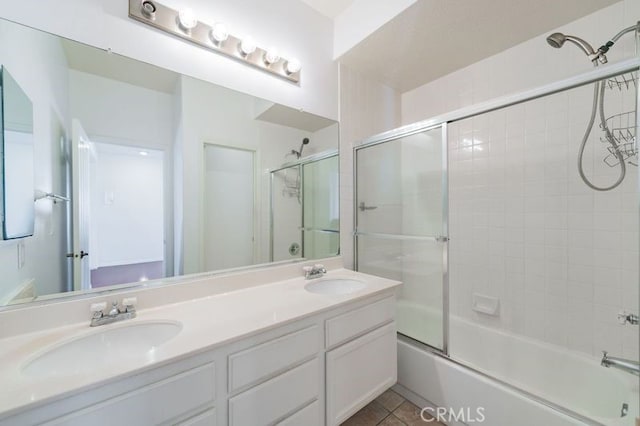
[443, 238]
[256, 199]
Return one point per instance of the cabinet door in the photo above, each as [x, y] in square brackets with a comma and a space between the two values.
[359, 371]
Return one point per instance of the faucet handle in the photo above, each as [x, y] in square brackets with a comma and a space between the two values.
[129, 304]
[97, 309]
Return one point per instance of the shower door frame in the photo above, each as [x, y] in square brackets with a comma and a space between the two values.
[596, 74]
[300, 164]
[588, 77]
[390, 137]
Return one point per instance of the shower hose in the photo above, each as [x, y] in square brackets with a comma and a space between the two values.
[598, 105]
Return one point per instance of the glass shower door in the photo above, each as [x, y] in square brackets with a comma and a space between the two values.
[401, 227]
[321, 210]
[286, 214]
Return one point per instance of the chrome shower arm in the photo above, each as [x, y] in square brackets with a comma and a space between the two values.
[635, 27]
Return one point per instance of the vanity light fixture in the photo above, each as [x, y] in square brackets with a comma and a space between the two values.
[148, 9]
[184, 24]
[247, 46]
[293, 66]
[219, 33]
[187, 19]
[271, 56]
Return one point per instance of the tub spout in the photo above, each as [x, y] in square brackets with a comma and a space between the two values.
[627, 365]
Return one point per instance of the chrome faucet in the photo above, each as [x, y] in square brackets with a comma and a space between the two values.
[315, 271]
[99, 317]
[627, 365]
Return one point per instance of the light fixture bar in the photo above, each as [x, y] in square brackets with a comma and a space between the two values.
[167, 19]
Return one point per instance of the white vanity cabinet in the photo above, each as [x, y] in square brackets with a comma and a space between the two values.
[275, 380]
[361, 359]
[315, 371]
[182, 392]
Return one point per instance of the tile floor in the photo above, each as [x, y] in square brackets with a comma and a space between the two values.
[389, 409]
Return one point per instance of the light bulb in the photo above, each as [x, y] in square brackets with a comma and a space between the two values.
[187, 19]
[248, 46]
[271, 56]
[219, 33]
[293, 66]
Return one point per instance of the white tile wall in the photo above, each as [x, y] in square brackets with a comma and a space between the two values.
[562, 258]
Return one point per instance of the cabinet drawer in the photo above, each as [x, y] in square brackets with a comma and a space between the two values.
[359, 371]
[153, 404]
[346, 326]
[261, 362]
[276, 398]
[208, 418]
[308, 416]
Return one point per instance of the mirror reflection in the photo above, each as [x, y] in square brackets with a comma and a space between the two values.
[17, 202]
[305, 194]
[142, 174]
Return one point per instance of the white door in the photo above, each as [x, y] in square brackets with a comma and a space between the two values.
[80, 158]
[229, 200]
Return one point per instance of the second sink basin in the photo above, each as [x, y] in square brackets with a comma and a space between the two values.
[335, 286]
[94, 350]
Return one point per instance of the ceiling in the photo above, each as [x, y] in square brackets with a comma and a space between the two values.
[432, 38]
[329, 8]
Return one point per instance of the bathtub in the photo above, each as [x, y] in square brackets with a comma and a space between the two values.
[492, 368]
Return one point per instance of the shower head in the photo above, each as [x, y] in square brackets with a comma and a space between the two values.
[305, 141]
[298, 153]
[557, 40]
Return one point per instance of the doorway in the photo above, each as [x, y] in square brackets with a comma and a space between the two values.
[229, 181]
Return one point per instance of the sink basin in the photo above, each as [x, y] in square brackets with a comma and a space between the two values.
[100, 348]
[335, 286]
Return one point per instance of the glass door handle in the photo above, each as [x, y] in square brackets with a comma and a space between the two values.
[81, 255]
[362, 207]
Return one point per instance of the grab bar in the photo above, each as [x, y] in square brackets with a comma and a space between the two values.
[627, 365]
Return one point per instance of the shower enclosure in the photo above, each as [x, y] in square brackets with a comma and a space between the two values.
[513, 267]
[305, 208]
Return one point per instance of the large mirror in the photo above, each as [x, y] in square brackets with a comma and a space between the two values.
[16, 200]
[141, 174]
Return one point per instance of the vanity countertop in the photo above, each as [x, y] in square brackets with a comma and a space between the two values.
[207, 322]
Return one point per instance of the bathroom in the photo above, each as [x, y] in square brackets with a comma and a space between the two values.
[401, 215]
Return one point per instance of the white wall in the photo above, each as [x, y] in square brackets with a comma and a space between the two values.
[127, 206]
[366, 108]
[119, 113]
[562, 259]
[111, 109]
[298, 30]
[38, 64]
